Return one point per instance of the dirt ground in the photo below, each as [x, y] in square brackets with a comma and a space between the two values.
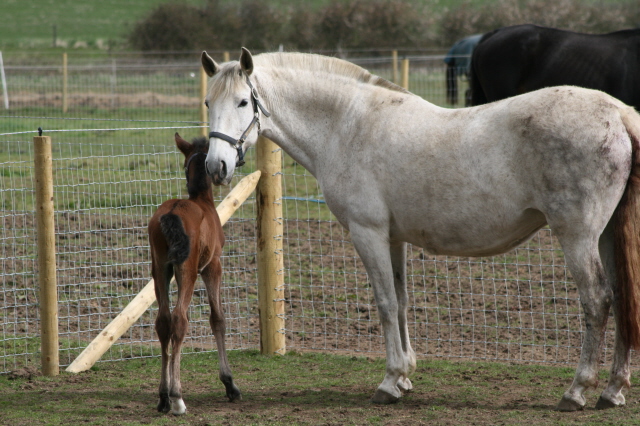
[316, 390]
[518, 307]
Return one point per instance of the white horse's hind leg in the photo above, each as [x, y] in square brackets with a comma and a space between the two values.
[583, 259]
[619, 377]
[399, 267]
[373, 248]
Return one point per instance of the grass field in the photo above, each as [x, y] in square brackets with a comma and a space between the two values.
[99, 24]
[30, 24]
[304, 389]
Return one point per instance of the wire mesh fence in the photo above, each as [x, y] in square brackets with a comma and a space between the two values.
[115, 162]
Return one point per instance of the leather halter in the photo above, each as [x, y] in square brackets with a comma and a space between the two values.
[186, 166]
[237, 143]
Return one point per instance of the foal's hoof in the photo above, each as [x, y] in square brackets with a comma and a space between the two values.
[177, 407]
[567, 404]
[164, 405]
[604, 403]
[234, 394]
[384, 397]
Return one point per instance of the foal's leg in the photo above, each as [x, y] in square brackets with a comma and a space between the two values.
[186, 275]
[212, 276]
[583, 259]
[162, 279]
[619, 377]
[399, 267]
[373, 248]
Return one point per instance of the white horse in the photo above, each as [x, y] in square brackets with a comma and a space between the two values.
[470, 182]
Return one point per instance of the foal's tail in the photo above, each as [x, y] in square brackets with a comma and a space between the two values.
[627, 242]
[177, 239]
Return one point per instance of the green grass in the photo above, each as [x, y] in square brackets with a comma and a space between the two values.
[93, 22]
[304, 389]
[30, 24]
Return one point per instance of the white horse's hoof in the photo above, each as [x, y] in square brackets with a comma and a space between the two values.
[405, 385]
[177, 407]
[604, 402]
[569, 404]
[384, 397]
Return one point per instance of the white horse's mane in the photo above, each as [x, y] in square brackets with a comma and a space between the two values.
[229, 75]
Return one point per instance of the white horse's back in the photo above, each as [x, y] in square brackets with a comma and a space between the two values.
[443, 184]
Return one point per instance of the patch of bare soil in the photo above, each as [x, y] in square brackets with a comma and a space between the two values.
[104, 100]
[522, 306]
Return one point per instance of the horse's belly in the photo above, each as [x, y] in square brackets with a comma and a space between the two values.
[474, 239]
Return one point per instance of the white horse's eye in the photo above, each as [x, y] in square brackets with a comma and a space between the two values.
[244, 103]
[206, 103]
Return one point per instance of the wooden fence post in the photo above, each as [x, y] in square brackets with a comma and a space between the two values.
[203, 108]
[394, 65]
[405, 74]
[270, 253]
[50, 356]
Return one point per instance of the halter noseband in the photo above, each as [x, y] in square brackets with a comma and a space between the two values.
[237, 143]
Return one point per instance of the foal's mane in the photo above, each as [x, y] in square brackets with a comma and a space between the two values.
[230, 76]
[200, 180]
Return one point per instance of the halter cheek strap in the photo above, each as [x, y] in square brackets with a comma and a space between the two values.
[237, 143]
[186, 166]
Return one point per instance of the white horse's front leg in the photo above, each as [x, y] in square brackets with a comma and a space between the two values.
[373, 248]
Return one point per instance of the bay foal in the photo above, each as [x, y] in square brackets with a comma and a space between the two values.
[186, 238]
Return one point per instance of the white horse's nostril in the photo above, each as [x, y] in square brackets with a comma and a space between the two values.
[223, 169]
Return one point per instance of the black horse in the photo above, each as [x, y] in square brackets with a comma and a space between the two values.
[458, 62]
[522, 58]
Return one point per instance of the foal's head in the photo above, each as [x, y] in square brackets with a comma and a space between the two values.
[198, 182]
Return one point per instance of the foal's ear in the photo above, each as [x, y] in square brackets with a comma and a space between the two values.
[246, 61]
[209, 65]
[183, 146]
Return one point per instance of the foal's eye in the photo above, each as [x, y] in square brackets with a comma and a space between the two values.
[244, 103]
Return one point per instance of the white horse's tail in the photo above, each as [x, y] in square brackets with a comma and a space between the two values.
[627, 242]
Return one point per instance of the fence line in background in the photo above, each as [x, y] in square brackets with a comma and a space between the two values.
[521, 306]
[130, 314]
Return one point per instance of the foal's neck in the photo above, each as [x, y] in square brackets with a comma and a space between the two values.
[199, 186]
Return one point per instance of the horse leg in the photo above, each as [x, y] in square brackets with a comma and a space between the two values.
[186, 275]
[212, 276]
[399, 267]
[583, 259]
[619, 376]
[163, 329]
[374, 250]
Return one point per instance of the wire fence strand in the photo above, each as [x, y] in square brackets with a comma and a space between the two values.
[108, 180]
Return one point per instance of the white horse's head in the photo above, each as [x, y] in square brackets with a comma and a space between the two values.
[234, 113]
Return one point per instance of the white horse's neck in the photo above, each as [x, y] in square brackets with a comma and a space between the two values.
[316, 114]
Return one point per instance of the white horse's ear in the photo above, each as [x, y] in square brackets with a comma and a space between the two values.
[246, 61]
[209, 65]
